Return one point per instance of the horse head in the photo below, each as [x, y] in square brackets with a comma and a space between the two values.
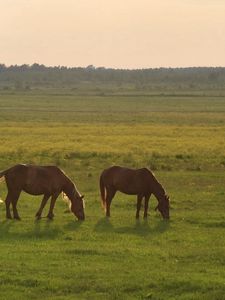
[77, 203]
[77, 206]
[163, 206]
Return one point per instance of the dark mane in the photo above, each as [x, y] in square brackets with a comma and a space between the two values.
[158, 189]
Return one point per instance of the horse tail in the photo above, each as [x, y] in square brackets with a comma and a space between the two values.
[102, 190]
[2, 178]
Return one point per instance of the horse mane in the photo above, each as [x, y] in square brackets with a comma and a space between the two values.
[2, 178]
[159, 188]
[66, 200]
[75, 192]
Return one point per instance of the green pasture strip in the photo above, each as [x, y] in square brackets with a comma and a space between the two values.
[65, 109]
[128, 103]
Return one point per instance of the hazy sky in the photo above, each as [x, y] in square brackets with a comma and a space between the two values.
[113, 33]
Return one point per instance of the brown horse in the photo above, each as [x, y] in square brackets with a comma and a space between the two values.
[49, 181]
[141, 182]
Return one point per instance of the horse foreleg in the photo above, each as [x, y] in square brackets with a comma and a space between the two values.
[52, 205]
[7, 205]
[146, 206]
[139, 198]
[43, 203]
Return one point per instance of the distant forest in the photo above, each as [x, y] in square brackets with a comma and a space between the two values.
[36, 76]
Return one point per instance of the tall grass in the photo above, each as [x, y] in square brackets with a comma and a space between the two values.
[178, 148]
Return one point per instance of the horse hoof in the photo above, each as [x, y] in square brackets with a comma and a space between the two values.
[9, 217]
[50, 217]
[17, 218]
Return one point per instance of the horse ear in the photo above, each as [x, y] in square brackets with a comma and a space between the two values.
[82, 197]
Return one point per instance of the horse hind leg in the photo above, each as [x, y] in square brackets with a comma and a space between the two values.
[7, 205]
[110, 193]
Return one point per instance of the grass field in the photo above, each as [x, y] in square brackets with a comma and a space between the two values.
[181, 138]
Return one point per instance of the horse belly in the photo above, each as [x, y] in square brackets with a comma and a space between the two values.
[33, 192]
[128, 192]
[131, 190]
[36, 189]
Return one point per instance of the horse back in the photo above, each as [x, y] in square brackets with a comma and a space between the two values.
[126, 180]
[35, 179]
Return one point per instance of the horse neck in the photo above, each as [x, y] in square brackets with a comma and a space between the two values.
[70, 188]
[158, 191]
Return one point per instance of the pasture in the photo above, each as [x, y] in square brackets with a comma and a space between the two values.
[181, 138]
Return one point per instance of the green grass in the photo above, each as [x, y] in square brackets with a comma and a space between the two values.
[180, 138]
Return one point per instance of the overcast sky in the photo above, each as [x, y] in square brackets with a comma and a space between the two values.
[113, 33]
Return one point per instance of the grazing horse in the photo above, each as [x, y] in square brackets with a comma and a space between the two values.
[140, 182]
[49, 181]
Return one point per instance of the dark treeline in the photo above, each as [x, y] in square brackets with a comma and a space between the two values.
[40, 76]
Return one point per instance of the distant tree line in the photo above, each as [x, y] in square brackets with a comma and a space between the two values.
[40, 76]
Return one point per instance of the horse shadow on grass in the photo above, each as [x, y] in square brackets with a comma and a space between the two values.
[45, 230]
[10, 229]
[140, 227]
[5, 227]
[73, 225]
[104, 225]
[145, 228]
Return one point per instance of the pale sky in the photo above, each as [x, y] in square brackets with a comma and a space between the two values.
[113, 33]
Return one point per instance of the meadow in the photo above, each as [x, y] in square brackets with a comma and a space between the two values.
[180, 137]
